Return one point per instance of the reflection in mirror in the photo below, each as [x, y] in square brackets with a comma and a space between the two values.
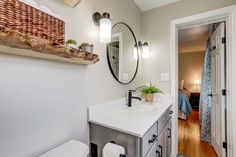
[122, 53]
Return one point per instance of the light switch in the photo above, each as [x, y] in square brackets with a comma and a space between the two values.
[165, 77]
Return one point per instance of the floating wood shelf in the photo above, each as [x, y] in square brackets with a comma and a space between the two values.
[35, 54]
[14, 43]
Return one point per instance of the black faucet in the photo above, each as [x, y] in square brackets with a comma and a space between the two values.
[130, 97]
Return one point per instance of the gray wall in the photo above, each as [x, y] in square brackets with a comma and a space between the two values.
[156, 30]
[43, 103]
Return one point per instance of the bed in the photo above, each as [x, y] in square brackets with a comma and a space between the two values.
[184, 105]
[185, 108]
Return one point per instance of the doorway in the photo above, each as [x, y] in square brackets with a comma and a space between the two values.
[219, 15]
[201, 71]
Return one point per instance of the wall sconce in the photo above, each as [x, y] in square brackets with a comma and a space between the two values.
[145, 49]
[105, 26]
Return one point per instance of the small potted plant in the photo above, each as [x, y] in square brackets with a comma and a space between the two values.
[148, 92]
[71, 43]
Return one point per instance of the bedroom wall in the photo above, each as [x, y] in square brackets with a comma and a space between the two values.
[190, 69]
[156, 31]
[43, 103]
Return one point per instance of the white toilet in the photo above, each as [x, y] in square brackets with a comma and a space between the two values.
[71, 148]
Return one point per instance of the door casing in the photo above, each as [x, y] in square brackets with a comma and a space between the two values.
[228, 15]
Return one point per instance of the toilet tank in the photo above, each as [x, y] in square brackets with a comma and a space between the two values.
[71, 148]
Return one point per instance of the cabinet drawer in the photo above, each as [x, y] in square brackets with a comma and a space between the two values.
[149, 139]
[164, 119]
[153, 151]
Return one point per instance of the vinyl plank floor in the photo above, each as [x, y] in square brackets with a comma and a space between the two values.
[189, 142]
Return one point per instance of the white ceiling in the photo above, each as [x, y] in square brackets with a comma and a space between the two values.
[145, 5]
[193, 39]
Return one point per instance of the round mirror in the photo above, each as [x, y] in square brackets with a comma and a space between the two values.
[122, 53]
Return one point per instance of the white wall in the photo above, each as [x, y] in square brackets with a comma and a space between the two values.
[43, 103]
[156, 30]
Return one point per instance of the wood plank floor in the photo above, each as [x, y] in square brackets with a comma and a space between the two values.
[189, 138]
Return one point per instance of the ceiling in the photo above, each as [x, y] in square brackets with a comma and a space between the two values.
[193, 39]
[145, 5]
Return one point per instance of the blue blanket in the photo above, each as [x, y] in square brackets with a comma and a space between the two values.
[184, 104]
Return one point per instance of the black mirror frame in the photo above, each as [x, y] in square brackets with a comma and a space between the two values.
[109, 63]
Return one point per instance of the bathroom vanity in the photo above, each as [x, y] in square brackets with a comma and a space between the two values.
[144, 129]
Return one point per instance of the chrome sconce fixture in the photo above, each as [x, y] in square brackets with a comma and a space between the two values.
[144, 47]
[105, 26]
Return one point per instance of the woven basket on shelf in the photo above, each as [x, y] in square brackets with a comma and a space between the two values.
[30, 22]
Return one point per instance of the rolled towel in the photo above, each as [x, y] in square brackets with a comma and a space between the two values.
[113, 150]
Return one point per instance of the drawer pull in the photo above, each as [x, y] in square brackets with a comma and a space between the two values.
[170, 133]
[160, 153]
[154, 137]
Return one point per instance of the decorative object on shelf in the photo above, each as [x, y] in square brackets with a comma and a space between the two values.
[71, 43]
[148, 92]
[20, 28]
[19, 45]
[19, 17]
[105, 26]
[144, 47]
[88, 47]
[72, 3]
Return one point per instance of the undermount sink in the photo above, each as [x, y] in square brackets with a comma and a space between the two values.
[142, 108]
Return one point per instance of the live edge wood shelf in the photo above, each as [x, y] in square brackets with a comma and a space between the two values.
[28, 31]
[17, 44]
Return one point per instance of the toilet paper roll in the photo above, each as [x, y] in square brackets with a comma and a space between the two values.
[113, 150]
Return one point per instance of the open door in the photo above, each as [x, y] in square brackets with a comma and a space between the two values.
[218, 121]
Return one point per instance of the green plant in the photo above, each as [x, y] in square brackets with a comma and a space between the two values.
[148, 89]
[71, 41]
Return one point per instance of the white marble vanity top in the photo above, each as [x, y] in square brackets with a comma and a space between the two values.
[135, 120]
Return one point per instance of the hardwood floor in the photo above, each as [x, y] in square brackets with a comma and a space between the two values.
[189, 138]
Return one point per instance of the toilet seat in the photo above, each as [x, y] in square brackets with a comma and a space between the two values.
[71, 148]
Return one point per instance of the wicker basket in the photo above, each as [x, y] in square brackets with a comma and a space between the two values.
[31, 22]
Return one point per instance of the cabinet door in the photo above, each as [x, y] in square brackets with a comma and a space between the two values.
[153, 151]
[161, 148]
[168, 138]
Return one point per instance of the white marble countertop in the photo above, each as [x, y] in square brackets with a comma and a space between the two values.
[135, 120]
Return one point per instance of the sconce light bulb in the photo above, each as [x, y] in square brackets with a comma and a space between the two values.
[145, 51]
[136, 52]
[105, 30]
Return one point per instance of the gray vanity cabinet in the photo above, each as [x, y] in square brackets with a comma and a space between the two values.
[161, 148]
[169, 138]
[156, 142]
[164, 135]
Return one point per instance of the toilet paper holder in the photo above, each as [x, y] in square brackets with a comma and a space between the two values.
[121, 155]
